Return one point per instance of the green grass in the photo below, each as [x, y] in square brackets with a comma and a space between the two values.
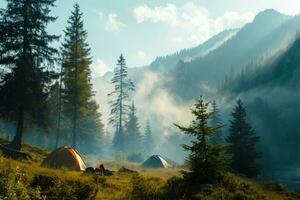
[36, 153]
[147, 172]
[126, 186]
[28, 180]
[236, 187]
[45, 182]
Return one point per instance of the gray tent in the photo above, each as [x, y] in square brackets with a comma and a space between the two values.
[156, 161]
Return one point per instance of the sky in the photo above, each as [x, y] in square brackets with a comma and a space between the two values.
[145, 29]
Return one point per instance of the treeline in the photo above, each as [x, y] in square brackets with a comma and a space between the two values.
[46, 92]
[235, 150]
[211, 154]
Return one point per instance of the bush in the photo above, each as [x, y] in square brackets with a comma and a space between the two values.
[24, 181]
[232, 187]
[175, 188]
[13, 185]
[57, 188]
[146, 188]
[273, 186]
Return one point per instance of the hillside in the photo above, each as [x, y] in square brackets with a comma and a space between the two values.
[257, 41]
[27, 180]
[282, 70]
[270, 91]
[227, 53]
[167, 63]
[149, 100]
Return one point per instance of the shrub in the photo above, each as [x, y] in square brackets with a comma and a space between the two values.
[146, 188]
[24, 181]
[273, 186]
[175, 188]
[232, 187]
[57, 188]
[13, 185]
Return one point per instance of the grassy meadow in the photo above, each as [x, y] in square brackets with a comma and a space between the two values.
[22, 180]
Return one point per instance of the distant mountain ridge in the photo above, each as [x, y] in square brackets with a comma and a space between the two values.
[226, 53]
[166, 63]
[282, 71]
[268, 32]
[191, 72]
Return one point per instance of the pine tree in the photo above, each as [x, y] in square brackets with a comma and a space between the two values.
[91, 130]
[60, 123]
[148, 139]
[242, 143]
[54, 111]
[132, 131]
[206, 161]
[59, 109]
[58, 120]
[216, 121]
[119, 105]
[77, 95]
[28, 58]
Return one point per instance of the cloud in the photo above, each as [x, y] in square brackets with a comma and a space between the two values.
[141, 55]
[157, 14]
[156, 104]
[192, 22]
[113, 24]
[177, 39]
[99, 68]
[233, 20]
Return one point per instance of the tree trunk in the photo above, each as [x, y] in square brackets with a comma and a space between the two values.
[75, 93]
[121, 111]
[17, 141]
[59, 112]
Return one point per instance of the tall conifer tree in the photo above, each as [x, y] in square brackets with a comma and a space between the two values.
[54, 111]
[242, 143]
[148, 139]
[28, 58]
[119, 103]
[206, 161]
[216, 121]
[132, 131]
[59, 107]
[77, 95]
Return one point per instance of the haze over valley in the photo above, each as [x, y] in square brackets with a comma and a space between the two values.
[149, 100]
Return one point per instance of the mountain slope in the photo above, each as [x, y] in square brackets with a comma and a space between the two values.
[156, 70]
[166, 63]
[271, 93]
[164, 95]
[283, 71]
[250, 44]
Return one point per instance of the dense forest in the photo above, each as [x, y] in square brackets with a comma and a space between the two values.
[47, 94]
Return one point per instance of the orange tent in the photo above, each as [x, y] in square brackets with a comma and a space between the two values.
[65, 157]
